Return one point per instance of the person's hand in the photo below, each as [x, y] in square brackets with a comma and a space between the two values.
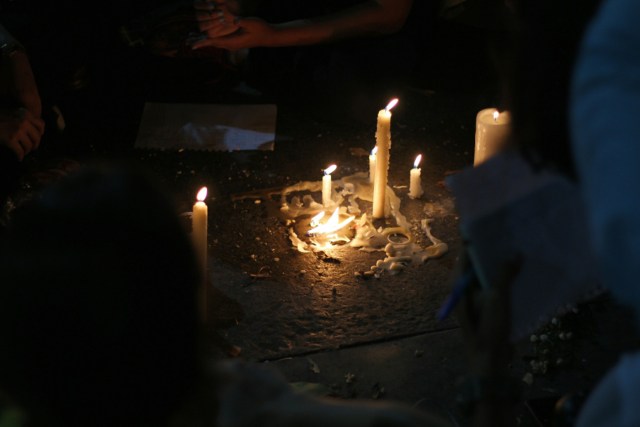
[250, 32]
[20, 131]
[215, 19]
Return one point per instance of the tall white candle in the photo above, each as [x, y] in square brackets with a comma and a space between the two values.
[372, 164]
[326, 186]
[415, 185]
[383, 142]
[492, 131]
[199, 234]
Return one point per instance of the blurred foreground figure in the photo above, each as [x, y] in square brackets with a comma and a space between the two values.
[99, 322]
[97, 304]
[606, 133]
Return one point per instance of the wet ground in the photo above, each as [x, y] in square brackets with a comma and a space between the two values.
[313, 315]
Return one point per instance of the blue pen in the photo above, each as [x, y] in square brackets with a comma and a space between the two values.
[459, 287]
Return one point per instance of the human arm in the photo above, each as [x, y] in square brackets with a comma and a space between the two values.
[21, 124]
[370, 18]
[18, 82]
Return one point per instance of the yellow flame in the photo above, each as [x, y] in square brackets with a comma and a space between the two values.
[332, 225]
[330, 169]
[391, 104]
[334, 218]
[417, 161]
[496, 114]
[202, 194]
[315, 221]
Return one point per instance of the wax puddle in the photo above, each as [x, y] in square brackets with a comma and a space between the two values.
[299, 211]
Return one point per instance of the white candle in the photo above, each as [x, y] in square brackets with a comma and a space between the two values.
[415, 186]
[372, 164]
[492, 130]
[199, 221]
[326, 186]
[383, 142]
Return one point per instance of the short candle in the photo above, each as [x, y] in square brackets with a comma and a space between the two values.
[415, 186]
[326, 186]
[492, 130]
[372, 164]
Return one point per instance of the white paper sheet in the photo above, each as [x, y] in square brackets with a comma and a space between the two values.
[208, 127]
[506, 208]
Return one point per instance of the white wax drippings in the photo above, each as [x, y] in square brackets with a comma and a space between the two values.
[367, 237]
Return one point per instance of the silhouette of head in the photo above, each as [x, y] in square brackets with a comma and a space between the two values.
[98, 303]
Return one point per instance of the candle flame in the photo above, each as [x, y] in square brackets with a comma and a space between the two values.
[315, 221]
[202, 194]
[374, 151]
[335, 217]
[417, 161]
[391, 104]
[496, 114]
[332, 225]
[330, 169]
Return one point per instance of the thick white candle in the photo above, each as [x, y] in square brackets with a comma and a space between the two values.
[492, 130]
[383, 142]
[326, 186]
[199, 222]
[415, 185]
[372, 164]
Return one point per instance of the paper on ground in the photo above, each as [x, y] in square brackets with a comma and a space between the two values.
[208, 127]
[507, 208]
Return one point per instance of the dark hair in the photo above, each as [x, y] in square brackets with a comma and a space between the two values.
[98, 305]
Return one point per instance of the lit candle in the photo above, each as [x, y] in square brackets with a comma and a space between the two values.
[415, 186]
[372, 164]
[492, 130]
[326, 186]
[383, 142]
[199, 235]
